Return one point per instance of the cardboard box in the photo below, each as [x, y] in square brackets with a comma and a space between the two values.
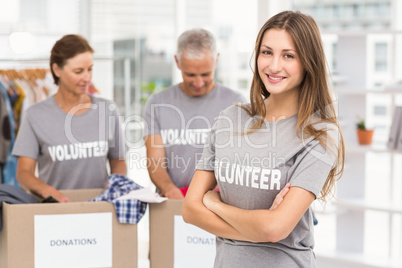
[175, 244]
[19, 245]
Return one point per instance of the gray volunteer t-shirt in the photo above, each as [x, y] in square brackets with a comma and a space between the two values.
[251, 169]
[71, 151]
[184, 123]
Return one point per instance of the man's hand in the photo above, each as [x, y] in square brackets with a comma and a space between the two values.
[173, 193]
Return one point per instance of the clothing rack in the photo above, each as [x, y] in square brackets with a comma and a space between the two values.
[19, 89]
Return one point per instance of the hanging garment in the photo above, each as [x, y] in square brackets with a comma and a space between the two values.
[9, 169]
[5, 133]
[18, 105]
[19, 89]
[127, 210]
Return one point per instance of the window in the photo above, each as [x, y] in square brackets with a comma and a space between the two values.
[381, 50]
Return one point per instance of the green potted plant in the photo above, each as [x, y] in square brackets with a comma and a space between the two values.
[364, 135]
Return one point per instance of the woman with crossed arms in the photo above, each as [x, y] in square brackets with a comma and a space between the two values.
[287, 135]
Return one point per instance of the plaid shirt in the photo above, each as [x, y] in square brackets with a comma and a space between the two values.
[127, 210]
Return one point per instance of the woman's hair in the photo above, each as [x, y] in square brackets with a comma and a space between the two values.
[66, 48]
[193, 43]
[315, 99]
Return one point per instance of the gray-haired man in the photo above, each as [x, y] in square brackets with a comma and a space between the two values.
[179, 118]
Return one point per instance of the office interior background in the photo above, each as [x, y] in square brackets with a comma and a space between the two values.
[135, 41]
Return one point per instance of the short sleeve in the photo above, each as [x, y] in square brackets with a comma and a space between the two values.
[207, 160]
[152, 125]
[117, 146]
[314, 162]
[26, 143]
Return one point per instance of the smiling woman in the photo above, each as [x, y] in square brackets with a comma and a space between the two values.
[77, 70]
[74, 79]
[262, 213]
[280, 70]
[71, 135]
